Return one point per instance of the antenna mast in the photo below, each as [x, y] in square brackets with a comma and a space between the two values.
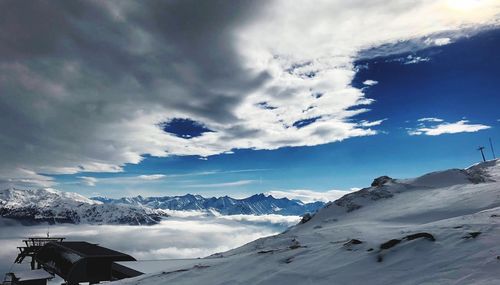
[492, 150]
[482, 153]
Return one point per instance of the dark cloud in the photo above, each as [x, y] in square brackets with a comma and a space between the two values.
[69, 70]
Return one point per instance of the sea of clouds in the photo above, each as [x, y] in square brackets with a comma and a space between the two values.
[183, 235]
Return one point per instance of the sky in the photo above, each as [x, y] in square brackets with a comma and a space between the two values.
[291, 98]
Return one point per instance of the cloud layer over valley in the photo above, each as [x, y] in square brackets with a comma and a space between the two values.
[184, 235]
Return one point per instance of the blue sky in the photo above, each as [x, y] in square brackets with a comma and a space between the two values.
[456, 81]
[293, 98]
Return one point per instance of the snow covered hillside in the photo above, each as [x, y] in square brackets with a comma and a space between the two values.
[48, 205]
[440, 228]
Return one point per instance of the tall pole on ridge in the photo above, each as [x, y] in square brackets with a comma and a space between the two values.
[492, 150]
[482, 153]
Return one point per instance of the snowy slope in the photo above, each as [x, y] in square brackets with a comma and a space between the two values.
[440, 228]
[49, 205]
[258, 204]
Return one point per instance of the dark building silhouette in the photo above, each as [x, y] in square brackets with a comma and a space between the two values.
[80, 261]
[31, 277]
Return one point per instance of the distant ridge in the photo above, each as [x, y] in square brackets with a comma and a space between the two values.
[258, 204]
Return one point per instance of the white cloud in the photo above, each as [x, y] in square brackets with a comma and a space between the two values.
[24, 178]
[430, 120]
[414, 59]
[225, 184]
[372, 123]
[184, 237]
[263, 219]
[308, 196]
[370, 82]
[438, 41]
[462, 126]
[151, 176]
[80, 113]
[89, 181]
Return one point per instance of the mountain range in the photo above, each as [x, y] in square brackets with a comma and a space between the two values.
[53, 206]
[258, 204]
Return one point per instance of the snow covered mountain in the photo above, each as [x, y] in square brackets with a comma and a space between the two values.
[258, 204]
[48, 205]
[440, 228]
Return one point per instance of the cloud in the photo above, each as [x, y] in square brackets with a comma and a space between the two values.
[372, 123]
[151, 176]
[122, 180]
[462, 126]
[370, 82]
[89, 90]
[411, 59]
[438, 41]
[216, 172]
[24, 178]
[174, 237]
[286, 221]
[308, 196]
[89, 181]
[225, 184]
[430, 120]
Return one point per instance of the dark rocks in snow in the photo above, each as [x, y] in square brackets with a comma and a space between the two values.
[420, 235]
[354, 200]
[471, 235]
[393, 242]
[352, 242]
[306, 218]
[389, 244]
[477, 173]
[350, 245]
[265, 251]
[381, 181]
[295, 244]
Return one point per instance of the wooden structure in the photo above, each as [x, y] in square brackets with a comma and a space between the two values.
[33, 245]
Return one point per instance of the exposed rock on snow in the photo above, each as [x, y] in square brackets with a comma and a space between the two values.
[416, 226]
[393, 242]
[381, 181]
[306, 218]
[472, 235]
